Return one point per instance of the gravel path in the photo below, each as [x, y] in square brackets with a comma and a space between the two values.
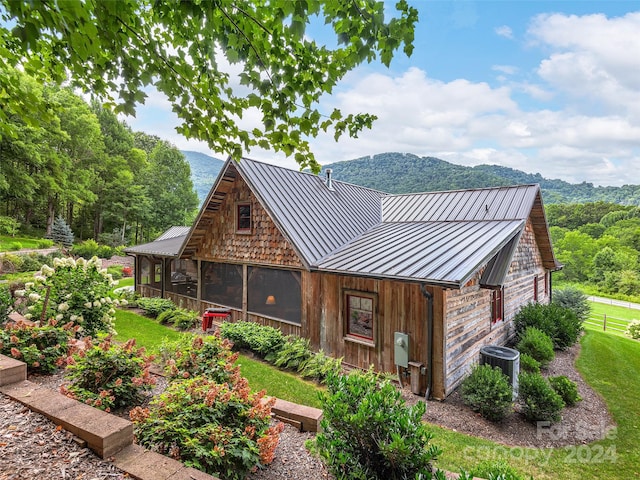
[32, 447]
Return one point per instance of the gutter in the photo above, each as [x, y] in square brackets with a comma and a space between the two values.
[429, 297]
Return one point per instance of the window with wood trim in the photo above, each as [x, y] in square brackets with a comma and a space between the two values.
[535, 288]
[497, 304]
[360, 314]
[243, 217]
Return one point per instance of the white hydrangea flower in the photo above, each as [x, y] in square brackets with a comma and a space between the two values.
[81, 262]
[29, 285]
[34, 297]
[40, 278]
[88, 304]
[57, 262]
[109, 300]
[19, 293]
[28, 316]
[63, 307]
[97, 303]
[59, 317]
[73, 318]
[47, 270]
[111, 311]
[31, 308]
[103, 300]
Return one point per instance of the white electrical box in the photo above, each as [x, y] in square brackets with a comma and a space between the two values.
[401, 349]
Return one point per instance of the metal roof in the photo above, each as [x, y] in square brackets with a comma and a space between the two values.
[500, 203]
[166, 245]
[444, 253]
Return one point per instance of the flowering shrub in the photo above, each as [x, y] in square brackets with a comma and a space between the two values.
[633, 329]
[127, 272]
[108, 375]
[222, 429]
[210, 357]
[41, 348]
[72, 291]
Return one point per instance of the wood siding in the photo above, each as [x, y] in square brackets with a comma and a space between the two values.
[401, 307]
[264, 245]
[468, 310]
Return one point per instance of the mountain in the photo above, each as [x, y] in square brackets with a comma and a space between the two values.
[204, 171]
[406, 173]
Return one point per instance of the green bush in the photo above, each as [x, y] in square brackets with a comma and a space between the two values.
[180, 318]
[633, 329]
[108, 375]
[539, 401]
[573, 299]
[561, 324]
[529, 364]
[43, 349]
[566, 388]
[293, 354]
[154, 306]
[221, 429]
[495, 470]
[261, 339]
[319, 366]
[15, 246]
[537, 344]
[196, 356]
[45, 243]
[487, 391]
[8, 225]
[6, 302]
[368, 432]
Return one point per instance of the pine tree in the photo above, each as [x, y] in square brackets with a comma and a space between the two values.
[61, 232]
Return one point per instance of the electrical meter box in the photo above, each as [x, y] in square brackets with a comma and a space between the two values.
[401, 349]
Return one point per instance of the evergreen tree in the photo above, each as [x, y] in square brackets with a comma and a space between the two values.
[61, 232]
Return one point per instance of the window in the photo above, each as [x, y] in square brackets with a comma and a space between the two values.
[150, 272]
[222, 284]
[497, 304]
[535, 288]
[275, 293]
[360, 315]
[243, 217]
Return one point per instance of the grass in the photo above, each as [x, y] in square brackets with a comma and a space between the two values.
[7, 241]
[611, 365]
[283, 385]
[617, 317]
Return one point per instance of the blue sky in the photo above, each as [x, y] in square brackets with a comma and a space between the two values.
[548, 87]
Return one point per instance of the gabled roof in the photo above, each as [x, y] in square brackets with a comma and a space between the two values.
[315, 219]
[166, 245]
[439, 238]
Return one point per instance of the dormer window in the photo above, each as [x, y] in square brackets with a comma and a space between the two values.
[243, 218]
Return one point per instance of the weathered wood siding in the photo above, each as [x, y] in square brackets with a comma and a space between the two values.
[401, 307]
[264, 245]
[468, 310]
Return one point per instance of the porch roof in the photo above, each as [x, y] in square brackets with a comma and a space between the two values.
[166, 245]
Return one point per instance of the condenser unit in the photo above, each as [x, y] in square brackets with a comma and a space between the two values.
[507, 359]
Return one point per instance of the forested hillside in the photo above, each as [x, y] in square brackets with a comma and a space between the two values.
[204, 170]
[407, 173]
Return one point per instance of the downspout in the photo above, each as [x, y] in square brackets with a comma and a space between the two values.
[429, 297]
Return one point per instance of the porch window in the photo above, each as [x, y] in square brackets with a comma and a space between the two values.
[222, 284]
[182, 277]
[243, 218]
[275, 293]
[150, 272]
[361, 315]
[497, 304]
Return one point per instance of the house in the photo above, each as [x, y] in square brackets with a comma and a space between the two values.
[410, 283]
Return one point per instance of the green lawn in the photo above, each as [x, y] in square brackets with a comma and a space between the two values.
[283, 385]
[6, 242]
[617, 317]
[611, 365]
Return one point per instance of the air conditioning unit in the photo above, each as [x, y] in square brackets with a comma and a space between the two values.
[507, 359]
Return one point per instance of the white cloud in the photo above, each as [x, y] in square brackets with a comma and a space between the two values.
[504, 31]
[507, 69]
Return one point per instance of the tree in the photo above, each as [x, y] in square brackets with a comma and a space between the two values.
[61, 232]
[190, 51]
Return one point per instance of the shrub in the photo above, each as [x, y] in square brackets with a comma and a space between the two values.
[45, 243]
[495, 470]
[566, 388]
[43, 349]
[196, 356]
[127, 271]
[221, 429]
[487, 391]
[108, 375]
[87, 249]
[115, 271]
[154, 306]
[369, 433]
[561, 324]
[529, 364]
[9, 225]
[573, 299]
[319, 366]
[180, 318]
[261, 339]
[6, 302]
[539, 401]
[15, 246]
[61, 232]
[77, 292]
[633, 329]
[293, 354]
[537, 344]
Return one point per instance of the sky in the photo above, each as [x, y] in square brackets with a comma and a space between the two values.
[542, 87]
